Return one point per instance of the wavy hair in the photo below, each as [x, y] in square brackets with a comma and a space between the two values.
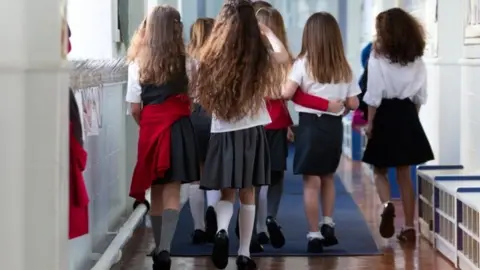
[272, 18]
[136, 42]
[322, 48]
[235, 70]
[199, 32]
[161, 57]
[400, 37]
[261, 4]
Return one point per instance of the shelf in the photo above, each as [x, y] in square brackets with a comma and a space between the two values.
[468, 229]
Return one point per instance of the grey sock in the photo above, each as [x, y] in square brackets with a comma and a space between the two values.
[257, 200]
[169, 224]
[274, 195]
[157, 229]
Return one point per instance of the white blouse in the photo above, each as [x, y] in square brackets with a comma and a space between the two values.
[391, 80]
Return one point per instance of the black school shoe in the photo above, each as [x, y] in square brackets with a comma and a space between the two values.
[220, 250]
[387, 223]
[246, 263]
[328, 233]
[210, 224]
[263, 238]
[277, 239]
[161, 261]
[315, 245]
[199, 237]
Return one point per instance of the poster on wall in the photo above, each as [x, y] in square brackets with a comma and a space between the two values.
[92, 117]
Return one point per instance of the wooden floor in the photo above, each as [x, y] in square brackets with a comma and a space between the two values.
[394, 256]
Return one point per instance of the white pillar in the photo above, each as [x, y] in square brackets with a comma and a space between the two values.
[353, 42]
[94, 29]
[441, 117]
[34, 138]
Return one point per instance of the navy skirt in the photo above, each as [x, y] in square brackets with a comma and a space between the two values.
[184, 163]
[318, 144]
[397, 138]
[202, 122]
[237, 159]
[278, 145]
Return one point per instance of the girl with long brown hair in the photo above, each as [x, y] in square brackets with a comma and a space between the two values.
[160, 103]
[321, 69]
[396, 89]
[201, 120]
[235, 72]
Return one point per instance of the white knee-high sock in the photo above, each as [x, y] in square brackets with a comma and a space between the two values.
[262, 210]
[196, 197]
[213, 196]
[224, 210]
[246, 223]
[184, 190]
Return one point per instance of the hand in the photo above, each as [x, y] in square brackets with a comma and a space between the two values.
[264, 29]
[290, 135]
[335, 106]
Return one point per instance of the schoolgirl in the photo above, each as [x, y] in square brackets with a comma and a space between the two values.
[167, 150]
[201, 120]
[235, 72]
[396, 89]
[321, 69]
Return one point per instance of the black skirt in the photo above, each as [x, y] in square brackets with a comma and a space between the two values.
[202, 123]
[278, 145]
[184, 163]
[397, 138]
[237, 159]
[318, 144]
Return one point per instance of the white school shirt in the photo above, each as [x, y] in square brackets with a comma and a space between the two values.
[134, 90]
[330, 91]
[260, 118]
[391, 80]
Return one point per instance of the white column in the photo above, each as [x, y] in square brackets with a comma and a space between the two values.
[93, 24]
[34, 138]
[441, 117]
[353, 42]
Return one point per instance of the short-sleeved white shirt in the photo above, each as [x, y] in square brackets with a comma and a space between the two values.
[330, 91]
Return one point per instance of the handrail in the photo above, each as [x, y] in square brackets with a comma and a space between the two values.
[96, 73]
[113, 253]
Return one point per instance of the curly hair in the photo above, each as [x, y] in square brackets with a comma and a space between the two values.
[272, 18]
[322, 48]
[161, 57]
[235, 70]
[136, 42]
[400, 37]
[199, 32]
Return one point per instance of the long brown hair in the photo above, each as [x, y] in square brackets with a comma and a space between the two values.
[136, 42]
[162, 55]
[400, 37]
[199, 32]
[235, 69]
[322, 47]
[272, 18]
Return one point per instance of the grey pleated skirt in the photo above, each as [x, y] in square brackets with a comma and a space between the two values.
[202, 123]
[237, 159]
[184, 162]
[318, 144]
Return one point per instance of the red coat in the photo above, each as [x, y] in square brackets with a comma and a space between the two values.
[78, 207]
[310, 101]
[153, 156]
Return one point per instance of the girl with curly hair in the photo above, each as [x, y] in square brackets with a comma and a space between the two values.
[201, 120]
[396, 89]
[235, 73]
[167, 150]
[321, 69]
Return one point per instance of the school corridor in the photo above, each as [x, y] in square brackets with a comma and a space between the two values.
[34, 152]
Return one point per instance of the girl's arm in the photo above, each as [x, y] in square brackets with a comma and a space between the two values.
[279, 52]
[136, 109]
[310, 101]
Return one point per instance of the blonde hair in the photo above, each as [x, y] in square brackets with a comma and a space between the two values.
[273, 19]
[136, 42]
[322, 47]
[199, 32]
